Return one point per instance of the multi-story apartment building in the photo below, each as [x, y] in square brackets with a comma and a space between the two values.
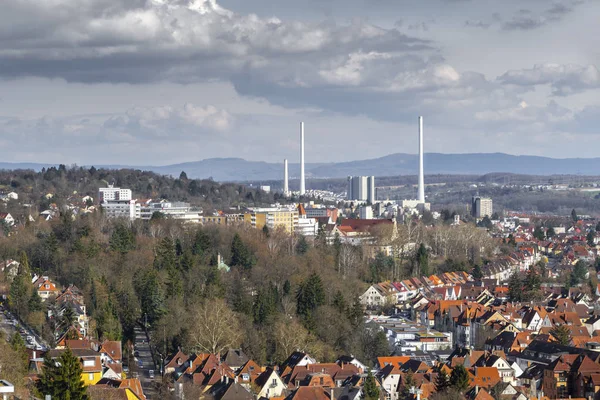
[481, 207]
[272, 218]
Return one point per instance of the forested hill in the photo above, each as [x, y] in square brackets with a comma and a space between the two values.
[63, 183]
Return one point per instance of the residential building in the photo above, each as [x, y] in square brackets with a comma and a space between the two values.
[273, 218]
[481, 207]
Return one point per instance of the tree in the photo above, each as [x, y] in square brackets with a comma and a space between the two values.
[61, 378]
[515, 287]
[477, 273]
[550, 232]
[68, 317]
[165, 258]
[442, 381]
[532, 284]
[265, 231]
[240, 254]
[574, 215]
[409, 382]
[562, 334]
[370, 389]
[309, 296]
[590, 239]
[538, 233]
[459, 379]
[422, 260]
[301, 245]
[579, 273]
[202, 243]
[214, 327]
[183, 176]
[122, 239]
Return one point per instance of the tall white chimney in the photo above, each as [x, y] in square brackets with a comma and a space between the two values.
[286, 188]
[421, 177]
[302, 183]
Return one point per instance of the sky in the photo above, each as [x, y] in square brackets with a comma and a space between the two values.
[156, 82]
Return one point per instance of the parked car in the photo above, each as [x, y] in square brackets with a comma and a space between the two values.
[151, 374]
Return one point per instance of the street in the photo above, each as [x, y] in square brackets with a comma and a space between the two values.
[9, 325]
[143, 357]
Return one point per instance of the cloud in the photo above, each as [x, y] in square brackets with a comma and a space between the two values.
[477, 24]
[563, 79]
[526, 19]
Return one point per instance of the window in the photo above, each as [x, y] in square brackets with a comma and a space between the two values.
[91, 377]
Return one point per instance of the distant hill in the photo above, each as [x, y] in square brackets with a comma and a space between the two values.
[237, 169]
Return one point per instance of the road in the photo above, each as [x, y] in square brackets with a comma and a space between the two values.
[145, 363]
[9, 325]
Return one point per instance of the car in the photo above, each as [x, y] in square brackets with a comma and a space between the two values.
[151, 374]
[136, 353]
[30, 339]
[125, 368]
[39, 347]
[140, 364]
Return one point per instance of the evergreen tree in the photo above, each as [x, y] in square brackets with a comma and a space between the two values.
[598, 227]
[265, 231]
[287, 287]
[339, 303]
[590, 239]
[532, 285]
[550, 233]
[515, 287]
[562, 334]
[35, 301]
[574, 215]
[186, 261]
[122, 239]
[579, 273]
[240, 254]
[409, 382]
[183, 176]
[538, 233]
[459, 379]
[477, 273]
[202, 243]
[310, 295]
[370, 388]
[165, 258]
[150, 294]
[422, 259]
[442, 381]
[61, 378]
[20, 289]
[301, 245]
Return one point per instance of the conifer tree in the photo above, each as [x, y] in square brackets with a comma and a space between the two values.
[370, 389]
[442, 381]
[459, 379]
[61, 378]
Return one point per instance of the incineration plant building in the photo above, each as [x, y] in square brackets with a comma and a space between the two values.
[361, 188]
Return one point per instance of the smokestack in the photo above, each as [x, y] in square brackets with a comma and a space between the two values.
[286, 189]
[302, 183]
[421, 177]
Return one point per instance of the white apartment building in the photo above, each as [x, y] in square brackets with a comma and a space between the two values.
[112, 193]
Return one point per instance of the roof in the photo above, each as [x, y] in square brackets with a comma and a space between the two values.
[309, 393]
[235, 358]
[112, 348]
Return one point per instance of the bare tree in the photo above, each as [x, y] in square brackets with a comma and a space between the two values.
[289, 336]
[214, 328]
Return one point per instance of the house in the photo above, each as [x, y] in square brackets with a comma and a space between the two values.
[7, 219]
[390, 378]
[269, 384]
[309, 393]
[235, 358]
[126, 389]
[90, 361]
[175, 361]
[10, 268]
[45, 288]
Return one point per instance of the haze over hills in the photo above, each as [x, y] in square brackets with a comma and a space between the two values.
[237, 169]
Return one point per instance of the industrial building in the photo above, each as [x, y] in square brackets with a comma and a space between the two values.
[361, 188]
